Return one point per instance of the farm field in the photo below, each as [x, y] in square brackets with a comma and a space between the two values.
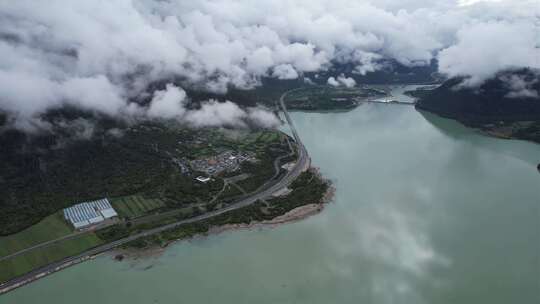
[269, 137]
[52, 227]
[258, 140]
[24, 263]
[135, 205]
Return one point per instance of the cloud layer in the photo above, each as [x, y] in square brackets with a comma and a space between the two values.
[341, 80]
[484, 49]
[98, 55]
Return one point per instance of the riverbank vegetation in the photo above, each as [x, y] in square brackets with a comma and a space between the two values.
[146, 173]
[40, 175]
[308, 188]
[327, 98]
[494, 107]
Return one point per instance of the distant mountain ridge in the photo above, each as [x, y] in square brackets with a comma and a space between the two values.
[494, 100]
[507, 105]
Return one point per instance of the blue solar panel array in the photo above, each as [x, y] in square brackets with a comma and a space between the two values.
[87, 213]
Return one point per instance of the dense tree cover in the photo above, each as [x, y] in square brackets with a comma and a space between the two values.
[42, 174]
[3, 119]
[260, 172]
[388, 72]
[531, 132]
[490, 102]
[391, 72]
[270, 89]
[309, 188]
[497, 106]
[36, 183]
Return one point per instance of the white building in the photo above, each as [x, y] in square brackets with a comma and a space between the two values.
[89, 213]
[203, 179]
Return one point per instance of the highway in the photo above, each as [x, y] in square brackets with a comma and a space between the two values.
[265, 191]
[289, 120]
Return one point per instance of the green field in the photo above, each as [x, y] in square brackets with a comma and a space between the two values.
[50, 228]
[135, 205]
[22, 264]
[258, 140]
[268, 137]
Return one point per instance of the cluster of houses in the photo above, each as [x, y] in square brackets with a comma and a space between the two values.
[90, 214]
[226, 161]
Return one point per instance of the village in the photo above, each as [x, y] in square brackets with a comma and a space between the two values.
[228, 161]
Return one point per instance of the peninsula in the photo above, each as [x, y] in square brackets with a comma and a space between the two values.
[169, 183]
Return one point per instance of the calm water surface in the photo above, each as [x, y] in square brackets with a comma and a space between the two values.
[426, 211]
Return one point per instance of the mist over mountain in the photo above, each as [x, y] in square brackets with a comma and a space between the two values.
[506, 105]
[512, 95]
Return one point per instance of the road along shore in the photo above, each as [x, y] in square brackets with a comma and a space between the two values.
[302, 164]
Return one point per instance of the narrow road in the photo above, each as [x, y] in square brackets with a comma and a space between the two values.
[301, 165]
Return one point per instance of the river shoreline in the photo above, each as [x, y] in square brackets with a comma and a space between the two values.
[301, 165]
[131, 255]
[292, 216]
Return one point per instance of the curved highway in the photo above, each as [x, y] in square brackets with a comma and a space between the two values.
[265, 191]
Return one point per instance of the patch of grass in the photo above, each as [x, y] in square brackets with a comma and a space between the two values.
[22, 264]
[268, 137]
[135, 205]
[308, 188]
[50, 228]
[116, 232]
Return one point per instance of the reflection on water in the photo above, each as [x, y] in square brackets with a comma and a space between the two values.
[426, 211]
[514, 148]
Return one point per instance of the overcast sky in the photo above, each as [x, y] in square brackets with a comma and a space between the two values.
[96, 54]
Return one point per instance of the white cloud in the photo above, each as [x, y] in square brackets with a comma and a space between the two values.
[484, 49]
[332, 81]
[213, 113]
[341, 81]
[285, 71]
[308, 81]
[346, 81]
[263, 118]
[99, 55]
[471, 2]
[520, 87]
[171, 104]
[168, 103]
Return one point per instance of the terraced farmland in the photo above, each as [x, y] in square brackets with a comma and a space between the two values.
[135, 206]
[258, 140]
